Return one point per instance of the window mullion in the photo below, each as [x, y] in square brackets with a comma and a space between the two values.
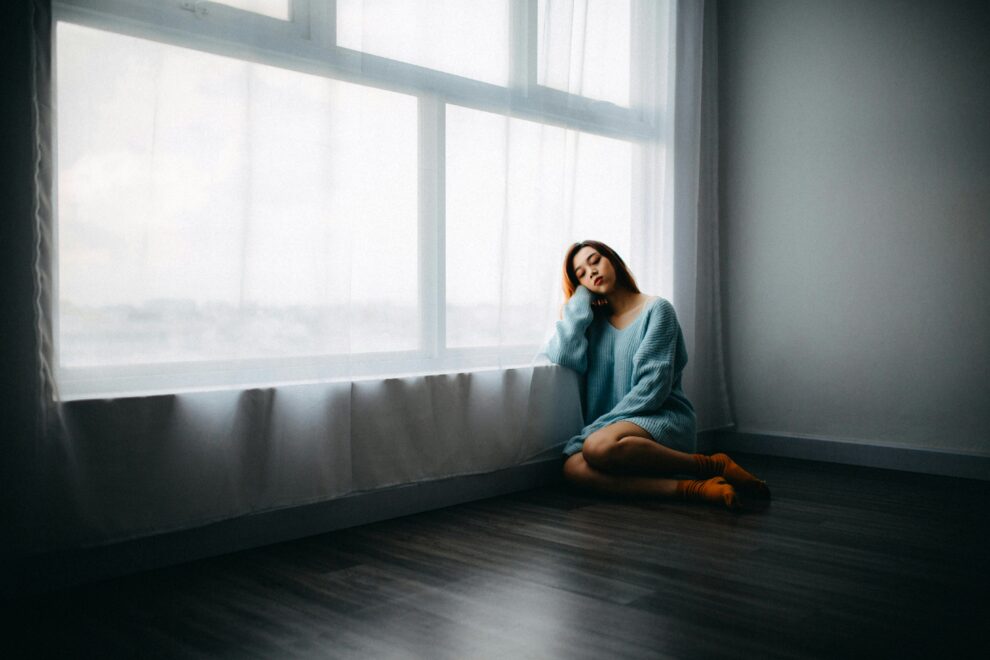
[645, 43]
[522, 33]
[321, 19]
[432, 232]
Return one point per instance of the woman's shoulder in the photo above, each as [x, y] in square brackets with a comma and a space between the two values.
[659, 306]
[655, 301]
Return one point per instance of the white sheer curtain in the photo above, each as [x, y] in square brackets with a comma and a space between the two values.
[225, 222]
[294, 250]
[230, 218]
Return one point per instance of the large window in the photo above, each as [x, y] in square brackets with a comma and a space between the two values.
[273, 191]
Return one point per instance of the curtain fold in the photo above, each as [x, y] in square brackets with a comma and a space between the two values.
[43, 220]
[265, 280]
[696, 286]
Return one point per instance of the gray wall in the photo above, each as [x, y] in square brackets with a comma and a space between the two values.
[855, 206]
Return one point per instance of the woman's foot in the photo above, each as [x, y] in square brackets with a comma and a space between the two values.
[720, 465]
[715, 491]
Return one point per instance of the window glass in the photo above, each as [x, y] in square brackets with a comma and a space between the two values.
[210, 208]
[518, 189]
[584, 48]
[467, 38]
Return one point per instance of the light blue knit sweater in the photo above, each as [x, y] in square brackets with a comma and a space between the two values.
[632, 374]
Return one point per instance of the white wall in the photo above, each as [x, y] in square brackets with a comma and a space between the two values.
[855, 198]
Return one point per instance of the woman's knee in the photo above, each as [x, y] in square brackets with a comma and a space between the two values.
[576, 469]
[597, 449]
[601, 447]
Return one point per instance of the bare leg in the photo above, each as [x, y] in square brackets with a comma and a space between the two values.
[626, 448]
[623, 458]
[578, 472]
[712, 491]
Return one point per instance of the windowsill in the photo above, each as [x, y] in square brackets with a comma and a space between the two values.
[120, 390]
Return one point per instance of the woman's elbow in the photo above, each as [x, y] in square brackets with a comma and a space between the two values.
[568, 364]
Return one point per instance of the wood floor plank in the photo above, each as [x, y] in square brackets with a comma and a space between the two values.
[843, 562]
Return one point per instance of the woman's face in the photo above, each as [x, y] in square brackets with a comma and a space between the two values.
[594, 270]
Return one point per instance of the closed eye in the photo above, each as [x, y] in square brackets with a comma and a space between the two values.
[591, 260]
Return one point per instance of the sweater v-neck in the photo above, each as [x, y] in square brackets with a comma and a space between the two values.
[635, 320]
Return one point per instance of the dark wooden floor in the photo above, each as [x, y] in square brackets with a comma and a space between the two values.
[845, 562]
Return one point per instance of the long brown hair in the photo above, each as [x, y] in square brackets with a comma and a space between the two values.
[622, 275]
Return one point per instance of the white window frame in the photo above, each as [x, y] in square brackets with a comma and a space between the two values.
[306, 43]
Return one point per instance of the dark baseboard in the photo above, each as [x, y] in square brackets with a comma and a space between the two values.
[969, 465]
[708, 441]
[53, 571]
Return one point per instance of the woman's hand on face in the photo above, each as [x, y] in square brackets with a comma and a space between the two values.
[596, 300]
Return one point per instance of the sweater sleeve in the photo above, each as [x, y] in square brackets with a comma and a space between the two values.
[569, 345]
[653, 368]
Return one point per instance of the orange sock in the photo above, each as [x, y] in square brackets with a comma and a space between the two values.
[713, 491]
[720, 465]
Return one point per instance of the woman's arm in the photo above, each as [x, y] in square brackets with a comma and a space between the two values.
[655, 365]
[569, 345]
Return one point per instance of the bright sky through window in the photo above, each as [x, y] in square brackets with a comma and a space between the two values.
[469, 39]
[191, 184]
[513, 188]
[217, 209]
[584, 47]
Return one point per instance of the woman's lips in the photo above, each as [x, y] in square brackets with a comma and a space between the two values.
[599, 281]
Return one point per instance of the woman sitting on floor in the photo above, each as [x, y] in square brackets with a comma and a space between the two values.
[640, 428]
